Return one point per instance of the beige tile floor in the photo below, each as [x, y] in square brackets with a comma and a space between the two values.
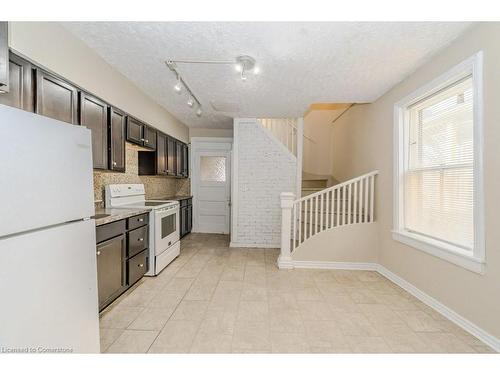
[215, 299]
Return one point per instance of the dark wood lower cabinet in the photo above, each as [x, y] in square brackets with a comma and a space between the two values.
[122, 256]
[186, 216]
[110, 269]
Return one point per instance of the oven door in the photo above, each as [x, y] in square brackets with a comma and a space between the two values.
[166, 228]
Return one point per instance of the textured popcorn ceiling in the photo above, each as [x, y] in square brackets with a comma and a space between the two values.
[301, 63]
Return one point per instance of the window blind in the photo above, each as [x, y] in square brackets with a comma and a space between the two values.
[439, 158]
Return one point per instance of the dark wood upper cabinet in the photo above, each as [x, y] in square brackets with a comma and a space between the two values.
[171, 157]
[20, 93]
[178, 146]
[117, 125]
[185, 160]
[94, 116]
[135, 131]
[149, 137]
[4, 56]
[161, 154]
[55, 97]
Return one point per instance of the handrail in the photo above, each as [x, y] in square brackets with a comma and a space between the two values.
[350, 202]
[337, 186]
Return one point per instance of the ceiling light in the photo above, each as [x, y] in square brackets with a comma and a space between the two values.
[178, 86]
[199, 112]
[190, 101]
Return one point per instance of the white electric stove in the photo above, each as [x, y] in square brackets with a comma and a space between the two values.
[164, 244]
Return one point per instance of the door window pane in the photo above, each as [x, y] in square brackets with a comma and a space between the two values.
[213, 168]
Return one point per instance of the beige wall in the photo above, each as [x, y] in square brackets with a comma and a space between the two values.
[347, 243]
[55, 48]
[205, 132]
[363, 141]
[317, 150]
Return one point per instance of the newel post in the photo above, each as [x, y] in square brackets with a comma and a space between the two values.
[285, 258]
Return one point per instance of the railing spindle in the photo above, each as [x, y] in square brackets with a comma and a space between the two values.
[310, 217]
[355, 203]
[361, 216]
[372, 193]
[316, 214]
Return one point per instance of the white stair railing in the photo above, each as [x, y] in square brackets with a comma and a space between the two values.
[347, 203]
[284, 129]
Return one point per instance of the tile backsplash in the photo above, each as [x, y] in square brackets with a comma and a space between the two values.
[155, 186]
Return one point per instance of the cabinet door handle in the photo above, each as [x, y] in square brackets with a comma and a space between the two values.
[146, 140]
[142, 139]
[98, 253]
[140, 219]
[141, 265]
[114, 164]
[141, 239]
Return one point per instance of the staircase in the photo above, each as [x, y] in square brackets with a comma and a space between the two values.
[349, 203]
[312, 183]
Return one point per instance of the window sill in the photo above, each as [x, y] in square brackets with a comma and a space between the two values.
[441, 250]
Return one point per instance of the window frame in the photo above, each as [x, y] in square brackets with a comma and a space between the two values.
[476, 261]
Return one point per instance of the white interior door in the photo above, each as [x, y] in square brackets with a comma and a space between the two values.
[212, 180]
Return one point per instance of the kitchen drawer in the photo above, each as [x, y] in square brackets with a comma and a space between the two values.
[137, 240]
[107, 231]
[137, 267]
[137, 221]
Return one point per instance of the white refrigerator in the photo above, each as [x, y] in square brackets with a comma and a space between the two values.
[48, 271]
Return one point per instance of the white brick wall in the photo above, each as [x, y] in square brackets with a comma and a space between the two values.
[264, 168]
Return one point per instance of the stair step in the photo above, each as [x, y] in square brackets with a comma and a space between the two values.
[320, 183]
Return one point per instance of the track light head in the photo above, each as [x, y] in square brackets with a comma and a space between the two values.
[178, 87]
[199, 112]
[190, 102]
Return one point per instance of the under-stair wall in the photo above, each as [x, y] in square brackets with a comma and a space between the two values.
[263, 167]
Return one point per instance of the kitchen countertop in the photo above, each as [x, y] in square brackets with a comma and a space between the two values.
[175, 198]
[116, 214]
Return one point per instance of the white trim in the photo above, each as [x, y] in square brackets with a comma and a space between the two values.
[260, 245]
[206, 144]
[448, 313]
[234, 182]
[451, 253]
[441, 250]
[358, 266]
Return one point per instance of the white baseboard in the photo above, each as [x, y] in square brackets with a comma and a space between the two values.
[260, 245]
[335, 265]
[448, 313]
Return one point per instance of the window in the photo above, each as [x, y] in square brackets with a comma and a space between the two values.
[438, 200]
[213, 168]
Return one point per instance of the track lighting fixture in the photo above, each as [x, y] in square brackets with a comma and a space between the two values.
[243, 64]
